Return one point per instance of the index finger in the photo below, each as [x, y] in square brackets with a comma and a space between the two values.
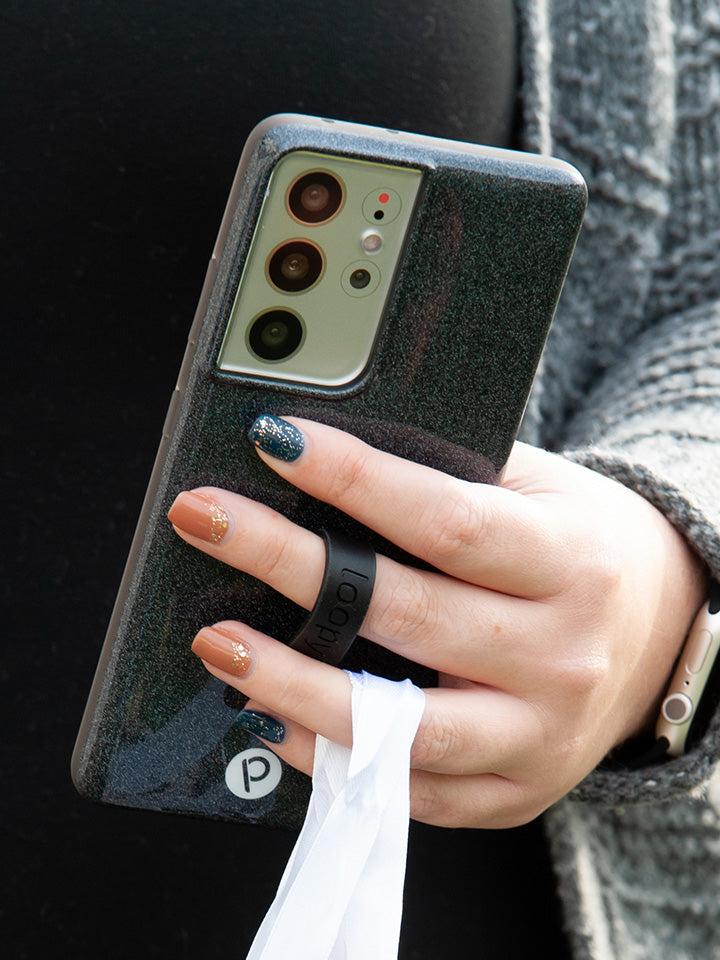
[484, 534]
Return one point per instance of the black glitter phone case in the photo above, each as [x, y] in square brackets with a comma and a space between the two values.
[447, 383]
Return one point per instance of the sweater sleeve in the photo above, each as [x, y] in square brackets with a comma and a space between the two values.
[630, 382]
[653, 424]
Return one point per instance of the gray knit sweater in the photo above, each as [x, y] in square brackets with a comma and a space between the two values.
[629, 92]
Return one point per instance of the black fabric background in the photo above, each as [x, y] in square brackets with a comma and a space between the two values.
[122, 125]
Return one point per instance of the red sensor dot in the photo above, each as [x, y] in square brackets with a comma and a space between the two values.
[383, 198]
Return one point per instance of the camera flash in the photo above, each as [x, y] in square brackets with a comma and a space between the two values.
[371, 242]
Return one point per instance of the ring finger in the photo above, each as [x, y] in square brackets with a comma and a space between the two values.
[468, 731]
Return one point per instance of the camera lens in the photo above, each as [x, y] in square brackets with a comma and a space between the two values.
[275, 335]
[315, 197]
[359, 278]
[295, 266]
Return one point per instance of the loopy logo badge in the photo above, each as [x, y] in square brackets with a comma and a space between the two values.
[253, 774]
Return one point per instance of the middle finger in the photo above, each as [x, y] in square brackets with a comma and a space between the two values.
[445, 624]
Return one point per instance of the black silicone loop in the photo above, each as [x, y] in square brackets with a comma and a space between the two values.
[343, 600]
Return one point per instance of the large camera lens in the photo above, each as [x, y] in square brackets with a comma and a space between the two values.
[295, 266]
[315, 197]
[275, 335]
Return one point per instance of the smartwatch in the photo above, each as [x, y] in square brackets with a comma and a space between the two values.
[692, 694]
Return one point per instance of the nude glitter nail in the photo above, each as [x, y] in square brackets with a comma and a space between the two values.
[219, 647]
[199, 516]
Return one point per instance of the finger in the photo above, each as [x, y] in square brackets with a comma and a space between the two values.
[483, 801]
[292, 742]
[291, 685]
[443, 800]
[476, 729]
[442, 623]
[459, 734]
[485, 534]
[253, 538]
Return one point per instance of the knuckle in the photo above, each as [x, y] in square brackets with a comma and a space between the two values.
[273, 556]
[349, 477]
[597, 568]
[425, 799]
[292, 693]
[582, 675]
[587, 637]
[408, 610]
[459, 523]
[430, 802]
[605, 569]
[437, 739]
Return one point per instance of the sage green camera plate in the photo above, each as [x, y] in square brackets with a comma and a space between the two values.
[340, 323]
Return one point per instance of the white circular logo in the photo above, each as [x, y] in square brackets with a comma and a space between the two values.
[253, 774]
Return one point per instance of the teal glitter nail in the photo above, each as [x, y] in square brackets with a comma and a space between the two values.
[262, 725]
[277, 437]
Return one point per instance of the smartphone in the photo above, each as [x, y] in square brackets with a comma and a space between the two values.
[397, 286]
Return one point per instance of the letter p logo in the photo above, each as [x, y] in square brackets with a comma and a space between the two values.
[253, 774]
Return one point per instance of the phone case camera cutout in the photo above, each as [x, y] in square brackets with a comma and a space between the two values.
[397, 286]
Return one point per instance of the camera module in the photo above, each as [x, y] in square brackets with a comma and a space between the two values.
[315, 197]
[295, 266]
[275, 335]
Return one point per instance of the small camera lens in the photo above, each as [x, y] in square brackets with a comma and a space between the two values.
[359, 278]
[315, 197]
[275, 335]
[295, 266]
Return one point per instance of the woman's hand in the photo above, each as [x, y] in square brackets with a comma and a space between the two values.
[558, 607]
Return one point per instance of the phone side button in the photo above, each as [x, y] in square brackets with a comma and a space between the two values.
[171, 414]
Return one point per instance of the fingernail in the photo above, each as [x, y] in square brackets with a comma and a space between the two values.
[223, 650]
[199, 516]
[277, 437]
[262, 725]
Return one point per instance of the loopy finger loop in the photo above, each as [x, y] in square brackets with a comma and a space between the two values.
[343, 601]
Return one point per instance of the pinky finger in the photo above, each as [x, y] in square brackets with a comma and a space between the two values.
[482, 801]
[292, 742]
[487, 801]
